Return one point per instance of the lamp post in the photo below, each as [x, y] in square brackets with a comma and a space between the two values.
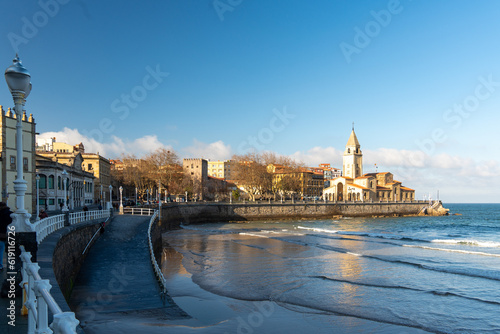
[37, 197]
[19, 82]
[100, 200]
[135, 204]
[147, 196]
[159, 200]
[121, 201]
[65, 189]
[110, 205]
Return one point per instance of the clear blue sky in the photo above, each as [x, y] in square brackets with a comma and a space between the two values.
[398, 69]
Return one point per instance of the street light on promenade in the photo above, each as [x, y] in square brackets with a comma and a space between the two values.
[135, 196]
[101, 202]
[121, 202]
[65, 188]
[110, 205]
[19, 82]
[37, 197]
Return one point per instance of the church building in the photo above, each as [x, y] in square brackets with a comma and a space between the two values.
[353, 185]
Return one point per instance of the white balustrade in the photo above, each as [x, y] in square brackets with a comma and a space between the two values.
[138, 211]
[38, 301]
[156, 267]
[48, 225]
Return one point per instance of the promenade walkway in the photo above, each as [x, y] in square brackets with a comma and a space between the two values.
[116, 284]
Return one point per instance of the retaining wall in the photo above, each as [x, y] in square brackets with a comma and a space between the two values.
[173, 215]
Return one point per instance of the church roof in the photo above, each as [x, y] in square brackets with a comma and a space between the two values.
[353, 140]
[358, 186]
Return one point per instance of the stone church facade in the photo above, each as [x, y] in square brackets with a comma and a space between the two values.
[355, 186]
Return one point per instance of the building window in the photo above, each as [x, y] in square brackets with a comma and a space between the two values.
[51, 201]
[25, 164]
[51, 182]
[12, 162]
[59, 184]
[41, 201]
[90, 166]
[42, 184]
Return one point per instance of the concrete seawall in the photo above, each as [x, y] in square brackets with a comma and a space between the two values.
[173, 215]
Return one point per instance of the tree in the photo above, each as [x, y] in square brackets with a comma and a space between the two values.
[163, 166]
[250, 174]
[288, 184]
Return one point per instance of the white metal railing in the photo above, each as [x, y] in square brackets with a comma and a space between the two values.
[139, 211]
[38, 300]
[81, 216]
[46, 226]
[156, 267]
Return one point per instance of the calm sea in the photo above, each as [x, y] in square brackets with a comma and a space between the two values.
[436, 274]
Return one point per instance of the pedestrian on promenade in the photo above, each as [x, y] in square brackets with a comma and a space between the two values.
[43, 214]
[85, 209]
[99, 207]
[5, 220]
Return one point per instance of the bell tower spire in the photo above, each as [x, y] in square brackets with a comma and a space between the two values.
[353, 157]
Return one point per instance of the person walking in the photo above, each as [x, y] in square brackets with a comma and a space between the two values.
[43, 214]
[5, 220]
[85, 209]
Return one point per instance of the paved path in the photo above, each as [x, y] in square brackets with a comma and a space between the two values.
[117, 283]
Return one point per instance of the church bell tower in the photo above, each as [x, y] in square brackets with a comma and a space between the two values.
[353, 158]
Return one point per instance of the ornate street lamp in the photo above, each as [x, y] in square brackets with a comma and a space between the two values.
[110, 205]
[65, 188]
[121, 202]
[37, 197]
[147, 196]
[19, 82]
[135, 204]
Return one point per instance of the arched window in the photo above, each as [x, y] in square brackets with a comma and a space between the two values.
[348, 150]
[51, 182]
[42, 184]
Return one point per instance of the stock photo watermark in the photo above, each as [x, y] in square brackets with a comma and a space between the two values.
[11, 274]
[455, 116]
[223, 6]
[127, 101]
[266, 135]
[364, 36]
[105, 296]
[31, 26]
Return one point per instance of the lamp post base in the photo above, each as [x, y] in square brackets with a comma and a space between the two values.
[21, 222]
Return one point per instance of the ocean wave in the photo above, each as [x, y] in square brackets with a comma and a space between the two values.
[254, 235]
[364, 283]
[315, 229]
[364, 234]
[400, 287]
[453, 250]
[468, 242]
